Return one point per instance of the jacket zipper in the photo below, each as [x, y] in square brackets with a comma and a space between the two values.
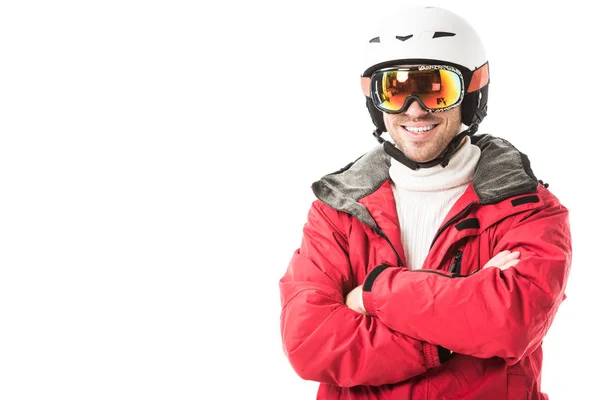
[451, 221]
[379, 231]
[455, 267]
[457, 257]
[429, 271]
[383, 235]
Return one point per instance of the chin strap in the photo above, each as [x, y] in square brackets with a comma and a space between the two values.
[442, 159]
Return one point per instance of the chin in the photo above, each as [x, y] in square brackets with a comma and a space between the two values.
[422, 160]
[420, 157]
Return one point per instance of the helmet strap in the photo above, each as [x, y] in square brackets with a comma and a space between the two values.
[443, 159]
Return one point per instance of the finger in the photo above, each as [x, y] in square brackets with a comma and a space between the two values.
[491, 263]
[502, 255]
[509, 264]
[513, 255]
[498, 259]
[510, 255]
[512, 263]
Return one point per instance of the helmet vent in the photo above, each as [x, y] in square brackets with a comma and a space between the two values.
[404, 38]
[374, 40]
[442, 34]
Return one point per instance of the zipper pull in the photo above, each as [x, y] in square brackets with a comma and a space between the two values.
[455, 267]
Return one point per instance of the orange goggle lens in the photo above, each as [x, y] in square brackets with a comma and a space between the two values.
[436, 87]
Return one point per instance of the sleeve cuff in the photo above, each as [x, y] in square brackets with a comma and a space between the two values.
[367, 295]
[435, 355]
[443, 354]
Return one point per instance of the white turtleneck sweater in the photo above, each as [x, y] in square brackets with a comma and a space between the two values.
[424, 198]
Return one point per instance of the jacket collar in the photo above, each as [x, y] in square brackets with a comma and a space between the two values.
[502, 172]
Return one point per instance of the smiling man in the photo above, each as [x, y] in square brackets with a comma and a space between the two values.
[431, 267]
[421, 135]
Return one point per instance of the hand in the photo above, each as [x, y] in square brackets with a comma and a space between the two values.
[503, 260]
[354, 300]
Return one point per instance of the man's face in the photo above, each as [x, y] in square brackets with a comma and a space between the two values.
[428, 142]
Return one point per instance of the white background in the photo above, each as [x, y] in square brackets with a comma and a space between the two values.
[154, 182]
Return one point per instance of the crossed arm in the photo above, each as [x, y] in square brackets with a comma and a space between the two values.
[326, 341]
[503, 311]
[503, 260]
[497, 312]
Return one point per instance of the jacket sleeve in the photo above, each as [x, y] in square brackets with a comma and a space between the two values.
[494, 312]
[326, 341]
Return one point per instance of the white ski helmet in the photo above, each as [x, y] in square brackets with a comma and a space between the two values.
[429, 35]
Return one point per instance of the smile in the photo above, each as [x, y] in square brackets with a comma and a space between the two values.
[419, 129]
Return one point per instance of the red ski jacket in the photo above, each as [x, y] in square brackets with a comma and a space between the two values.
[492, 320]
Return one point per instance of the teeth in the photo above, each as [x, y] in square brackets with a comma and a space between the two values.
[421, 129]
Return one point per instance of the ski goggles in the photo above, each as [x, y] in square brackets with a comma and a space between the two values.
[436, 88]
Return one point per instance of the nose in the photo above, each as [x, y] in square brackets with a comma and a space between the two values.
[415, 110]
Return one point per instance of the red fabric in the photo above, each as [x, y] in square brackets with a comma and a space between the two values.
[493, 320]
[480, 78]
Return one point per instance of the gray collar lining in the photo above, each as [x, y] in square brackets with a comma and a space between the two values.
[502, 172]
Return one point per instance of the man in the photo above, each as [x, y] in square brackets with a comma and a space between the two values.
[430, 268]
